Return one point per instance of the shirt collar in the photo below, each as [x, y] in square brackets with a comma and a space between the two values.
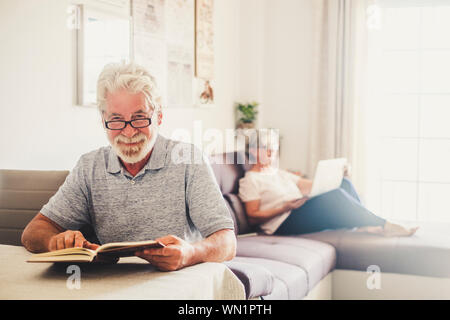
[156, 161]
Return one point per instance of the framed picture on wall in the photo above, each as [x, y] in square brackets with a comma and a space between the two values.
[204, 39]
[164, 44]
[204, 52]
[172, 39]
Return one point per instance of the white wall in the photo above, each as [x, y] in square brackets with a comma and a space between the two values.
[276, 70]
[40, 128]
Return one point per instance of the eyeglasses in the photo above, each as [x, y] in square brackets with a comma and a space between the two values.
[121, 124]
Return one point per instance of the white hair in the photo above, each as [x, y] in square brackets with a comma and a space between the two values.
[130, 76]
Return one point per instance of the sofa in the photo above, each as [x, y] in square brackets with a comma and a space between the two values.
[332, 264]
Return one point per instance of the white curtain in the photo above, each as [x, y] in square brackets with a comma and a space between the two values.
[340, 49]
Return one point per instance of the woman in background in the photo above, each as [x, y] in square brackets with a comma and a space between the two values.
[277, 200]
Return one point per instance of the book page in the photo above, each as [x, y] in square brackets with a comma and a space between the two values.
[69, 254]
[107, 251]
[68, 251]
[118, 245]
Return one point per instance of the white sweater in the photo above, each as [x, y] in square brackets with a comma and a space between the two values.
[272, 187]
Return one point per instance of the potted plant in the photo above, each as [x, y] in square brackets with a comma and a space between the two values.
[247, 115]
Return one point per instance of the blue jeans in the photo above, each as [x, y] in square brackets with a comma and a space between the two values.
[337, 209]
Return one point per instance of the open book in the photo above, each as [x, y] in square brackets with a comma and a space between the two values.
[109, 251]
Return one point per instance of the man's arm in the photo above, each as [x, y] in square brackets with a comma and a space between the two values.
[43, 234]
[218, 247]
[67, 210]
[37, 233]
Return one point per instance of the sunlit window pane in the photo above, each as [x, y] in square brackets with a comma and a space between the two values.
[400, 116]
[400, 71]
[433, 204]
[399, 200]
[436, 71]
[435, 116]
[403, 35]
[408, 160]
[434, 160]
[399, 159]
[435, 26]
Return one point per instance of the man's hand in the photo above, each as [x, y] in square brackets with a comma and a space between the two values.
[294, 204]
[176, 254]
[70, 239]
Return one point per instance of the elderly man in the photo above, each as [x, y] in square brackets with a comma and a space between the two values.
[135, 189]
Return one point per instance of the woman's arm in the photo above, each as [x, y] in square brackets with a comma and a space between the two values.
[305, 186]
[256, 216]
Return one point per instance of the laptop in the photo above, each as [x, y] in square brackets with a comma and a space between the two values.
[328, 176]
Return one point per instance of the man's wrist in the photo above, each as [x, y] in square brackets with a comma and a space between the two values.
[216, 248]
[195, 254]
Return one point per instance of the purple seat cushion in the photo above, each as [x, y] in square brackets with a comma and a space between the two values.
[427, 253]
[315, 258]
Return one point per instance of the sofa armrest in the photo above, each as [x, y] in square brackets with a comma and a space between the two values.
[257, 280]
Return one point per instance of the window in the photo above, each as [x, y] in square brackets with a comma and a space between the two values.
[103, 37]
[408, 116]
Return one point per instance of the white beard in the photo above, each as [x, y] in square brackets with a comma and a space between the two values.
[135, 153]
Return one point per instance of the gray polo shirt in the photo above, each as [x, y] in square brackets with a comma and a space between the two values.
[170, 195]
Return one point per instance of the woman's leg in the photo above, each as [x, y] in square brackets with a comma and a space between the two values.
[347, 185]
[389, 229]
[336, 209]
